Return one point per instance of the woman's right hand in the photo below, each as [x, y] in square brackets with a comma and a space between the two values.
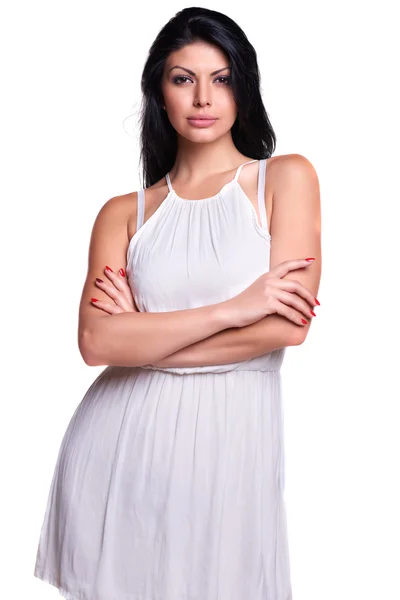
[270, 294]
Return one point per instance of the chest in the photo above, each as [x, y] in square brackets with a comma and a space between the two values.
[190, 256]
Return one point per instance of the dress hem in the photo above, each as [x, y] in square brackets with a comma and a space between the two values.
[52, 581]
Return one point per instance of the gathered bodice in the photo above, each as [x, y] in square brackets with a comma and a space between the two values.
[192, 253]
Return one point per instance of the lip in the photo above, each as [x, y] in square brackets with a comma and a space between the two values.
[202, 121]
[206, 117]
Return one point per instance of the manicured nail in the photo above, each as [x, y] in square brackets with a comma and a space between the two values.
[109, 269]
[304, 321]
[99, 280]
[309, 259]
[313, 313]
[94, 299]
[121, 272]
[316, 302]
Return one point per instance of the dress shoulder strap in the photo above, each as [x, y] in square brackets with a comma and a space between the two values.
[240, 168]
[140, 209]
[262, 166]
[261, 192]
[170, 188]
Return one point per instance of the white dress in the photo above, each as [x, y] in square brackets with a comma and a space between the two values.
[169, 482]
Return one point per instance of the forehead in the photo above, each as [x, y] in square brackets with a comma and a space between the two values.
[197, 56]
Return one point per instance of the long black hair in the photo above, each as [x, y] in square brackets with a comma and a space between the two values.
[252, 131]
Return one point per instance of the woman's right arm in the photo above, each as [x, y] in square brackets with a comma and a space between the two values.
[133, 338]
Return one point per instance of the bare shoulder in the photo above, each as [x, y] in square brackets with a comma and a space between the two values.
[287, 170]
[118, 208]
[154, 196]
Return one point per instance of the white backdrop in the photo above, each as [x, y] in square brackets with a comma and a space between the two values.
[70, 77]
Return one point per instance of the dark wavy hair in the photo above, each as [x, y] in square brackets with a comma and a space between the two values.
[252, 131]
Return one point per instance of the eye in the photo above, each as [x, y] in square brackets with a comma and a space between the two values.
[182, 78]
[226, 78]
[179, 78]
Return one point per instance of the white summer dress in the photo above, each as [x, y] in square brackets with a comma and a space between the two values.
[169, 482]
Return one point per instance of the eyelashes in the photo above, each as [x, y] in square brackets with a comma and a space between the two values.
[179, 78]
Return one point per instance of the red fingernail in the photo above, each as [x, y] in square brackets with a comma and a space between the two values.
[304, 321]
[309, 259]
[122, 272]
[99, 280]
[316, 302]
[109, 269]
[313, 313]
[94, 299]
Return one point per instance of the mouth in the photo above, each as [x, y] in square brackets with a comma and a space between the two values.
[201, 121]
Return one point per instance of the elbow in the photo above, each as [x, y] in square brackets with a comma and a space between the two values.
[291, 334]
[96, 353]
[86, 348]
[300, 336]
[297, 341]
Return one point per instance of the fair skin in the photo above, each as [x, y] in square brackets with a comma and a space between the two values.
[206, 160]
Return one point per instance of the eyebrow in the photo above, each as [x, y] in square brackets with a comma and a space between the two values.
[193, 73]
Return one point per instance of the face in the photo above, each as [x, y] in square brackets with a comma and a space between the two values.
[196, 82]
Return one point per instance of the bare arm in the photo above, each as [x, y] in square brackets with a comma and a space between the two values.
[134, 338]
[295, 232]
[139, 338]
[234, 344]
[296, 224]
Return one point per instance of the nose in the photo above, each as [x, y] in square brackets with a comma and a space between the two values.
[202, 96]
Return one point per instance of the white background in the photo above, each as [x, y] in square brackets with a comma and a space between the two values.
[70, 77]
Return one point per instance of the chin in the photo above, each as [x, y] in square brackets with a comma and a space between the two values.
[200, 135]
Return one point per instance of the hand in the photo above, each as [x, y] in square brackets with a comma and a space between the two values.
[117, 288]
[270, 294]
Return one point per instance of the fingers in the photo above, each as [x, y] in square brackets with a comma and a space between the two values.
[118, 284]
[117, 288]
[111, 309]
[291, 314]
[292, 299]
[291, 265]
[279, 307]
[292, 285]
[118, 280]
[283, 269]
[109, 289]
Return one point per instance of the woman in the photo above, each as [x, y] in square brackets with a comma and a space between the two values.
[169, 482]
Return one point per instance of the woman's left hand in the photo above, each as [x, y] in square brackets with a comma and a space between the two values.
[117, 288]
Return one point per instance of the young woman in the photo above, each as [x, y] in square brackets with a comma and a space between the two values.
[169, 483]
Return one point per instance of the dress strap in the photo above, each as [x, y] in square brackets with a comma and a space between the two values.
[169, 183]
[235, 178]
[261, 192]
[240, 168]
[140, 209]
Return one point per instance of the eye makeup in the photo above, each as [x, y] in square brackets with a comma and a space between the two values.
[179, 78]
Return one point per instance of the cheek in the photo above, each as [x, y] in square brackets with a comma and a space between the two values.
[226, 102]
[177, 98]
[229, 110]
[179, 106]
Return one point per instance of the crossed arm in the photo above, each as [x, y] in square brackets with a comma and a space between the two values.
[295, 230]
[237, 344]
